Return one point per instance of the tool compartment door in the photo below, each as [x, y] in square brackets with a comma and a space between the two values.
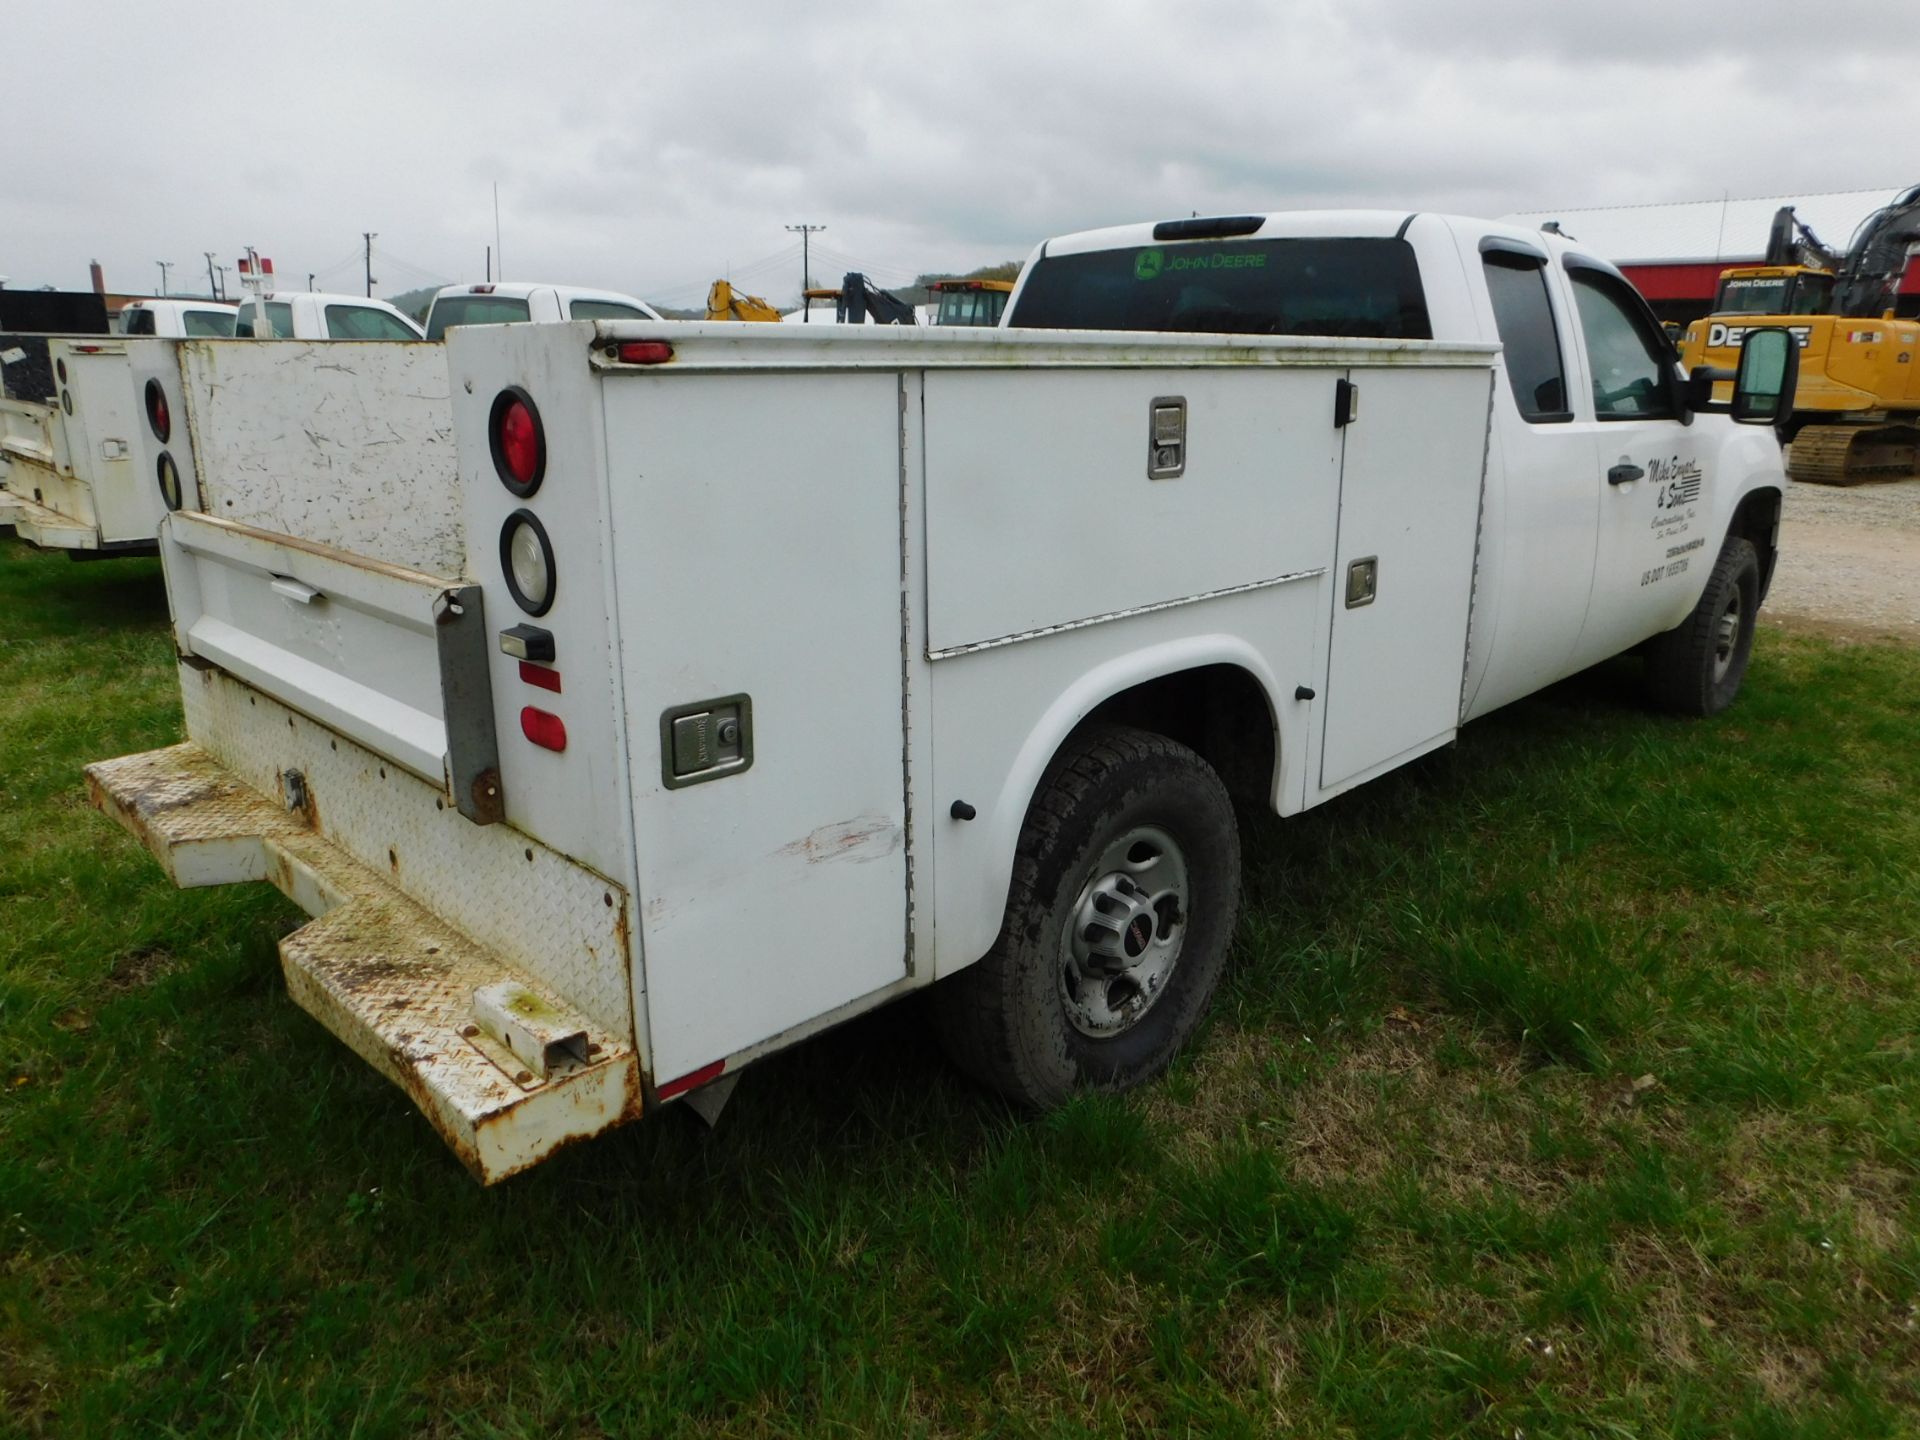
[1411, 476]
[757, 552]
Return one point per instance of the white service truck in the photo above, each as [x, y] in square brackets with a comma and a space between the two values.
[648, 742]
[91, 468]
[522, 303]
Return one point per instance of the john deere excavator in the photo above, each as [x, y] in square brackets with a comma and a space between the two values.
[1856, 412]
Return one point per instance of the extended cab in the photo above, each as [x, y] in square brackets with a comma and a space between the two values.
[316, 315]
[520, 304]
[640, 744]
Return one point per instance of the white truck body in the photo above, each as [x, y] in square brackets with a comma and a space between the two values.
[757, 753]
[523, 303]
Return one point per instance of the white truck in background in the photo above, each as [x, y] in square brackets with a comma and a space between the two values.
[170, 319]
[500, 303]
[319, 315]
[640, 745]
[91, 468]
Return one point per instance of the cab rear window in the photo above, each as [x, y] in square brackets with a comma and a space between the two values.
[603, 310]
[1366, 287]
[452, 310]
[363, 322]
[209, 324]
[279, 320]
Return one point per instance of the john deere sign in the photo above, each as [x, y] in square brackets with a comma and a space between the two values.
[1151, 264]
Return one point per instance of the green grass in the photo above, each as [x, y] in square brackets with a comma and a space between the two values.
[1564, 1084]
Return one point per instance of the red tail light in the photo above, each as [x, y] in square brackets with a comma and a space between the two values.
[158, 415]
[518, 440]
[543, 728]
[540, 675]
[645, 352]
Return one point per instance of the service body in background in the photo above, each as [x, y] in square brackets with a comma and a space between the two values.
[700, 743]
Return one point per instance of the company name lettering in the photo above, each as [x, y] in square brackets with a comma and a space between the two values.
[1720, 334]
[1219, 260]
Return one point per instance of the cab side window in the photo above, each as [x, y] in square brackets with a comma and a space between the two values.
[1517, 285]
[1630, 363]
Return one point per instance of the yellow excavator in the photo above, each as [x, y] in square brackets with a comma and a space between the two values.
[726, 303]
[969, 302]
[1856, 410]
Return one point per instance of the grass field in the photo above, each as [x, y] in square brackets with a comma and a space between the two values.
[1564, 1084]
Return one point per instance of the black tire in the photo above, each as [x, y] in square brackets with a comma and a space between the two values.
[1026, 1020]
[1696, 667]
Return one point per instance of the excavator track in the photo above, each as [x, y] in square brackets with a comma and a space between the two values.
[1852, 454]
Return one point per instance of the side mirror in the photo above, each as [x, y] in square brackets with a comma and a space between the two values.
[1769, 369]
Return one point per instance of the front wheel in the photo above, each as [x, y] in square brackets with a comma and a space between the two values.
[1126, 886]
[1696, 667]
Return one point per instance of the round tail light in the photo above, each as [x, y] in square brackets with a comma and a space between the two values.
[169, 476]
[518, 441]
[158, 415]
[526, 557]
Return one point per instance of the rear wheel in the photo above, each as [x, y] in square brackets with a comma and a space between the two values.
[1125, 889]
[1696, 667]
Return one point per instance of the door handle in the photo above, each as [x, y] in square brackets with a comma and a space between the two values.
[1624, 474]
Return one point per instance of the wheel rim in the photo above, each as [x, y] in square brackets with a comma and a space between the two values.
[1726, 636]
[1124, 933]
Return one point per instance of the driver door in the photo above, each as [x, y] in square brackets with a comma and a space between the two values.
[1654, 490]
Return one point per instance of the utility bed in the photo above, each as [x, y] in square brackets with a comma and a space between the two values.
[814, 603]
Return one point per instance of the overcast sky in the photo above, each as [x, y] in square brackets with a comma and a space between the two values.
[651, 146]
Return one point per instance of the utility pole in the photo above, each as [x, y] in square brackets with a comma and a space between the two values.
[213, 291]
[223, 269]
[165, 265]
[806, 232]
[310, 282]
[370, 237]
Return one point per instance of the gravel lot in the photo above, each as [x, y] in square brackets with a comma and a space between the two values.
[1850, 560]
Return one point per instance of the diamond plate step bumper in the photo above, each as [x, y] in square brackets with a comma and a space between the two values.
[505, 1083]
[48, 529]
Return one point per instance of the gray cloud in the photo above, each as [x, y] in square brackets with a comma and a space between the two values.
[648, 146]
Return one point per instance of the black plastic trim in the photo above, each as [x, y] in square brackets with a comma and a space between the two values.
[1505, 245]
[1406, 225]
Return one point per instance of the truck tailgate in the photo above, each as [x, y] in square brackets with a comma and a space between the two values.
[379, 653]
